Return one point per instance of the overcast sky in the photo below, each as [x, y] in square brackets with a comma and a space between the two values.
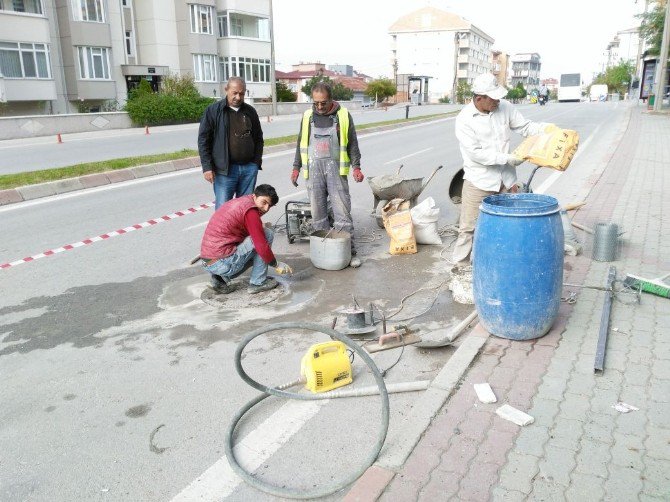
[569, 35]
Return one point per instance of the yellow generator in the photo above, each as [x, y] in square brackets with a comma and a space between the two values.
[326, 366]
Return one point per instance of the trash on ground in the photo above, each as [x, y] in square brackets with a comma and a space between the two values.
[485, 393]
[513, 415]
[624, 407]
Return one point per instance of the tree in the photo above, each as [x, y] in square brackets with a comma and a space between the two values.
[618, 77]
[516, 93]
[381, 89]
[284, 94]
[307, 88]
[182, 86]
[463, 91]
[340, 92]
[651, 27]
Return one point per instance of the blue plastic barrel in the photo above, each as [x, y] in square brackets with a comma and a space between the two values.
[517, 264]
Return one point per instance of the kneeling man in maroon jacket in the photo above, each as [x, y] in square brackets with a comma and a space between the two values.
[235, 240]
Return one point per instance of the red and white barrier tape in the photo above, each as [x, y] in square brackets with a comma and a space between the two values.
[108, 235]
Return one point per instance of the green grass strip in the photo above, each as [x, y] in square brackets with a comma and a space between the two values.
[60, 173]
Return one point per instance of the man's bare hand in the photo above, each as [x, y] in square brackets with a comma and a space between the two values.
[209, 176]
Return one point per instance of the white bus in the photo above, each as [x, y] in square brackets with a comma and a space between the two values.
[570, 87]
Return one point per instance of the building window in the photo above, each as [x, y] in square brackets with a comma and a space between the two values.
[235, 26]
[204, 67]
[240, 25]
[88, 10]
[23, 6]
[250, 69]
[201, 19]
[24, 60]
[223, 25]
[130, 43]
[94, 63]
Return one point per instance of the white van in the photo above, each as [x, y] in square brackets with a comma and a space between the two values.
[598, 92]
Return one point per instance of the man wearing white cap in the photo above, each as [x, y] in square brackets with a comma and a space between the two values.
[483, 131]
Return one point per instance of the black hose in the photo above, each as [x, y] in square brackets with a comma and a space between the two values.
[267, 391]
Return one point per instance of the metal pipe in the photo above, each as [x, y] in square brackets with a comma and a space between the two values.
[461, 326]
[599, 363]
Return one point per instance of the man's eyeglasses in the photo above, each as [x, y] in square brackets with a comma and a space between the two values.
[321, 103]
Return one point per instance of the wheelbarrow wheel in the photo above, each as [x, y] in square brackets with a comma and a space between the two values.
[379, 212]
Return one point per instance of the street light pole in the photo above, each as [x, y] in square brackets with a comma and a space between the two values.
[273, 82]
[663, 62]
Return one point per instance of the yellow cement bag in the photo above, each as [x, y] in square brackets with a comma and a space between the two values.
[553, 149]
[398, 224]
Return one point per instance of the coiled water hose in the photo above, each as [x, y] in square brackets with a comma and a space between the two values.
[268, 391]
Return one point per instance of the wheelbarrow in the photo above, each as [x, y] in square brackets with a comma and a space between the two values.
[393, 186]
[456, 185]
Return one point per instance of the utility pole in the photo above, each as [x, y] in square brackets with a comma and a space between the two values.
[663, 61]
[273, 82]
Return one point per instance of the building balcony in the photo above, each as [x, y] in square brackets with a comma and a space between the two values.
[463, 58]
[22, 89]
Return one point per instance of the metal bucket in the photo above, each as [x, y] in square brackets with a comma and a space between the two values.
[330, 250]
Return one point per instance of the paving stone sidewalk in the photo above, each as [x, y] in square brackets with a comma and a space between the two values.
[579, 448]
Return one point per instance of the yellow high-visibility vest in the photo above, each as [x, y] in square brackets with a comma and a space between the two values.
[343, 120]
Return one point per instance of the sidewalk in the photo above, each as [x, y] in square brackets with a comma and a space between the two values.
[579, 448]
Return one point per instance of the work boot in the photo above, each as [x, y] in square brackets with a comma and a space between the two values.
[355, 262]
[223, 289]
[220, 286]
[269, 284]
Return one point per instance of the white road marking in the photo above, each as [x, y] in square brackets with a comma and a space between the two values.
[408, 156]
[219, 481]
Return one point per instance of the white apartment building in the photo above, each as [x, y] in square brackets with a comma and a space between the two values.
[526, 69]
[64, 56]
[623, 47]
[441, 47]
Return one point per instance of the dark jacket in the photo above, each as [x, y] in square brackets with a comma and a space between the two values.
[327, 121]
[213, 137]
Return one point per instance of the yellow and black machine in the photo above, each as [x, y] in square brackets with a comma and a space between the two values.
[326, 366]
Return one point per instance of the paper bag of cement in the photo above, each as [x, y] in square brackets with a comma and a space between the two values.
[398, 224]
[553, 149]
[424, 219]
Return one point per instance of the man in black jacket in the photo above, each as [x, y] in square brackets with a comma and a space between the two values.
[230, 143]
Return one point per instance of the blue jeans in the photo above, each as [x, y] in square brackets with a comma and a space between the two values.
[241, 180]
[245, 256]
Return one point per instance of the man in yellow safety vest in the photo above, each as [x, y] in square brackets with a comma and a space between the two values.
[327, 147]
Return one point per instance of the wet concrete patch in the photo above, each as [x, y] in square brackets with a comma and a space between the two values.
[138, 411]
[79, 313]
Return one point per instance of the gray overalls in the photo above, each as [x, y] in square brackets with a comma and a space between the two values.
[325, 182]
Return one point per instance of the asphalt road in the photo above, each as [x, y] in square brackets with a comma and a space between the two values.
[118, 380]
[33, 154]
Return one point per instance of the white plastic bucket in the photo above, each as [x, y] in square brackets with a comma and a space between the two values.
[330, 250]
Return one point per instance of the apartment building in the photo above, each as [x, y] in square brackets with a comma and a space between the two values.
[526, 70]
[65, 56]
[500, 66]
[439, 47]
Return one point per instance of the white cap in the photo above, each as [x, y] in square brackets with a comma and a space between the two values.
[486, 84]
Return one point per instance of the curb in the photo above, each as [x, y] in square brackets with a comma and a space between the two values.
[39, 190]
[30, 192]
[398, 448]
